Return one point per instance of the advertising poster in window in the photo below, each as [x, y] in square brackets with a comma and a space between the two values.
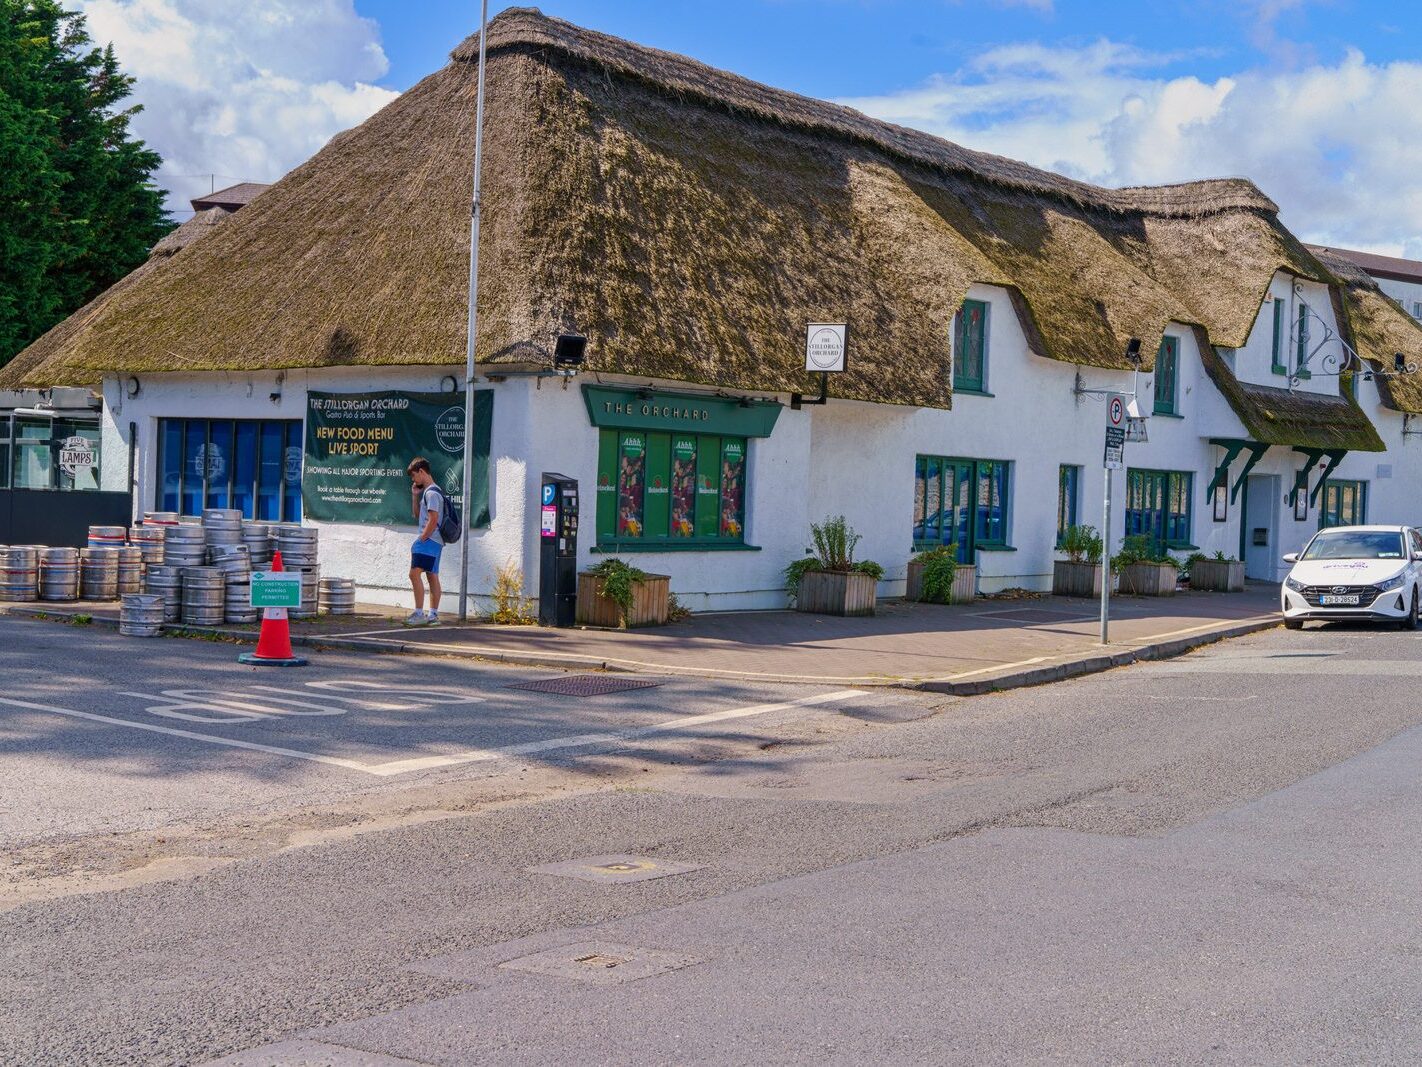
[733, 488]
[683, 517]
[631, 483]
[358, 445]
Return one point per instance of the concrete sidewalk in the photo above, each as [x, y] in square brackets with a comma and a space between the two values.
[961, 649]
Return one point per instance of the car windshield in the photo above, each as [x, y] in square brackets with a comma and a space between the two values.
[1355, 544]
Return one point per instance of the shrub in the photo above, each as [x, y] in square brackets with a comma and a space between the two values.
[1139, 548]
[795, 572]
[835, 541]
[511, 607]
[940, 567]
[1082, 544]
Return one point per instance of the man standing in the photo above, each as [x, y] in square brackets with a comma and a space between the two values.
[427, 505]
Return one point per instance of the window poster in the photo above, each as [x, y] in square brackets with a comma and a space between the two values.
[733, 488]
[631, 482]
[683, 487]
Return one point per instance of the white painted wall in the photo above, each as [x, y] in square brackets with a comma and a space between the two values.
[848, 458]
[1408, 294]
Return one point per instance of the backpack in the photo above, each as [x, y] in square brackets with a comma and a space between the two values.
[451, 525]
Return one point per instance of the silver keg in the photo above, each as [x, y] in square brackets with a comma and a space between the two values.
[130, 570]
[258, 539]
[221, 526]
[238, 600]
[19, 573]
[98, 574]
[149, 539]
[337, 596]
[204, 596]
[160, 518]
[107, 536]
[184, 546]
[310, 592]
[297, 545]
[59, 574]
[141, 615]
[166, 582]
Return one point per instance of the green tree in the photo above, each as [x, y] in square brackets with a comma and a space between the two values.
[78, 207]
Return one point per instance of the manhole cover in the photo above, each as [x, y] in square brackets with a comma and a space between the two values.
[584, 685]
[610, 869]
[600, 962]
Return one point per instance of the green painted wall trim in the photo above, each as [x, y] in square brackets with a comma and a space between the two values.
[633, 409]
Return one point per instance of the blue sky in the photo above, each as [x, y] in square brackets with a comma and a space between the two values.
[1317, 101]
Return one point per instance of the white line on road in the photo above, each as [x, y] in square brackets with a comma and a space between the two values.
[384, 770]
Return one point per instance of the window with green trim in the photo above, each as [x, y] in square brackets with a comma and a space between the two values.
[962, 502]
[1167, 376]
[1158, 506]
[1278, 366]
[1302, 355]
[1345, 503]
[670, 489]
[1068, 495]
[970, 338]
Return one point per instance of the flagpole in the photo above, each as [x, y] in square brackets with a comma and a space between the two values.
[468, 486]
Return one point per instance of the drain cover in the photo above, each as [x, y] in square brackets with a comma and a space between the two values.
[615, 869]
[600, 962]
[584, 685]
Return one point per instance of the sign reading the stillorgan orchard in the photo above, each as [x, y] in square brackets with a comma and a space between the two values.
[359, 444]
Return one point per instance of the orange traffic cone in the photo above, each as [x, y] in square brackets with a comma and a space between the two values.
[274, 639]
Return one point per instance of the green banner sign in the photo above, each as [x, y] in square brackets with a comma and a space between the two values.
[646, 409]
[359, 444]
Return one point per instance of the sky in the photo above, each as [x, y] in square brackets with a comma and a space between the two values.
[1319, 102]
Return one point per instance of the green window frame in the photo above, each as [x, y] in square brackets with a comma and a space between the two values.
[1159, 504]
[1301, 354]
[1278, 366]
[1345, 503]
[962, 502]
[970, 347]
[1068, 498]
[670, 490]
[1167, 376]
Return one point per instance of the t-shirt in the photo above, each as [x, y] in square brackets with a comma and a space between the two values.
[432, 502]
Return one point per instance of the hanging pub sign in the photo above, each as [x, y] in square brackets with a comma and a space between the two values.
[358, 446]
[825, 347]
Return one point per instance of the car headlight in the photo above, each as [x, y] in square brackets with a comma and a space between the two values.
[1395, 582]
[1294, 584]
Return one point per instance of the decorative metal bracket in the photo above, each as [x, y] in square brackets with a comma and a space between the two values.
[1331, 366]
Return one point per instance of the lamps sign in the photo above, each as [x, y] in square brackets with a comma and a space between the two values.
[77, 455]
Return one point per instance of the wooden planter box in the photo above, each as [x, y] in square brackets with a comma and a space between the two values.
[1149, 579]
[1076, 579]
[836, 593]
[965, 583]
[651, 602]
[1213, 576]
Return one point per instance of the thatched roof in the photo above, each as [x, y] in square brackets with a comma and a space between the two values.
[1291, 417]
[1379, 266]
[1377, 327]
[233, 198]
[689, 222]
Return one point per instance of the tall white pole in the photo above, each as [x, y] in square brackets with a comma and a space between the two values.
[1106, 561]
[468, 486]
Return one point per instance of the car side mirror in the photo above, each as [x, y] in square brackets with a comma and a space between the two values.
[1291, 557]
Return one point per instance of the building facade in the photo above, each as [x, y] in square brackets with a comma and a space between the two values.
[691, 224]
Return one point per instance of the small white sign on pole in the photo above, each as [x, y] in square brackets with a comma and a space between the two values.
[826, 347]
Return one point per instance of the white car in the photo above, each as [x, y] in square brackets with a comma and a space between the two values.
[1368, 573]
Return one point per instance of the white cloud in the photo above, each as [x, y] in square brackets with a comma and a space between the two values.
[1338, 147]
[245, 91]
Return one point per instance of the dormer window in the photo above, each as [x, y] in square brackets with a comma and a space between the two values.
[1167, 375]
[970, 348]
[1278, 366]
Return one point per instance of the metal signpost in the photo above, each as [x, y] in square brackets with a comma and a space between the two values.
[1112, 460]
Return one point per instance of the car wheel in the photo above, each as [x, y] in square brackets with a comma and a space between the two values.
[1293, 624]
[1410, 621]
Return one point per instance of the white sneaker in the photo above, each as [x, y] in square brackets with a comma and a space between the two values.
[417, 618]
[431, 618]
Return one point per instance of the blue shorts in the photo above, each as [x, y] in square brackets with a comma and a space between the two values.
[424, 556]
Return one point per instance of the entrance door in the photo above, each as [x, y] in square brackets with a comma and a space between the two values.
[1261, 527]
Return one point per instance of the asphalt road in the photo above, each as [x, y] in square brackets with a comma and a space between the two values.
[1177, 861]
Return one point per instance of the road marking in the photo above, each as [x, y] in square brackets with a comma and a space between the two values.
[153, 727]
[385, 770]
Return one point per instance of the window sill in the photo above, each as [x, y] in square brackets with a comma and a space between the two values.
[1169, 414]
[995, 548]
[965, 391]
[1181, 546]
[626, 547]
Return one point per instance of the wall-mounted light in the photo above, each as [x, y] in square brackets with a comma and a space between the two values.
[275, 394]
[133, 387]
[449, 383]
[1133, 351]
[570, 351]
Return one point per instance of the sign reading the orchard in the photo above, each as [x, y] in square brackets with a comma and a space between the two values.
[359, 444]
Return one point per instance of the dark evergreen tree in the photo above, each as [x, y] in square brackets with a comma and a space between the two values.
[78, 207]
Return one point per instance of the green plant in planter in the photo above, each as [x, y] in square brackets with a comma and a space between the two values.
[795, 572]
[1138, 548]
[940, 567]
[1082, 544]
[834, 541]
[618, 578]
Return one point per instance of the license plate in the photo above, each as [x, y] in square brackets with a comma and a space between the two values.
[1339, 600]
